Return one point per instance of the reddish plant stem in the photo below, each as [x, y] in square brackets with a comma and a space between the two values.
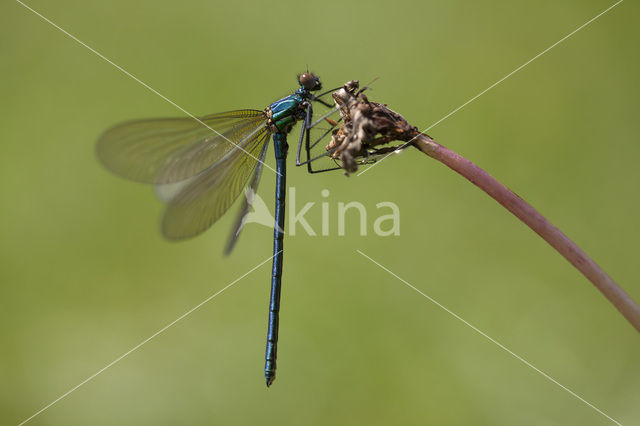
[530, 216]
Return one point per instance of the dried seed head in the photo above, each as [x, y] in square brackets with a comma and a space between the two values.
[366, 126]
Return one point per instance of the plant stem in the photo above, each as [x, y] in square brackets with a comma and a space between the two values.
[530, 216]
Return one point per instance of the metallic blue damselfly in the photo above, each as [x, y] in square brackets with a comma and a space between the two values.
[208, 162]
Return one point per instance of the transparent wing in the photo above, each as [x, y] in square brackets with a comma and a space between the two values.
[169, 150]
[210, 194]
[247, 202]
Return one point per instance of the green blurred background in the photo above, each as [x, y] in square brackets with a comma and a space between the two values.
[86, 276]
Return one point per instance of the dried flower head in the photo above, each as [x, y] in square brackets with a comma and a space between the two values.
[365, 127]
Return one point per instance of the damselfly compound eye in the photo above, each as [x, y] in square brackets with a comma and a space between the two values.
[309, 81]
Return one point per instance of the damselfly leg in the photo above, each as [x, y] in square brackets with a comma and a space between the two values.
[311, 142]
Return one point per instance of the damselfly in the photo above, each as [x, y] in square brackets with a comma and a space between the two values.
[209, 161]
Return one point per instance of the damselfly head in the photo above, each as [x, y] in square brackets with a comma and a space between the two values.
[309, 81]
